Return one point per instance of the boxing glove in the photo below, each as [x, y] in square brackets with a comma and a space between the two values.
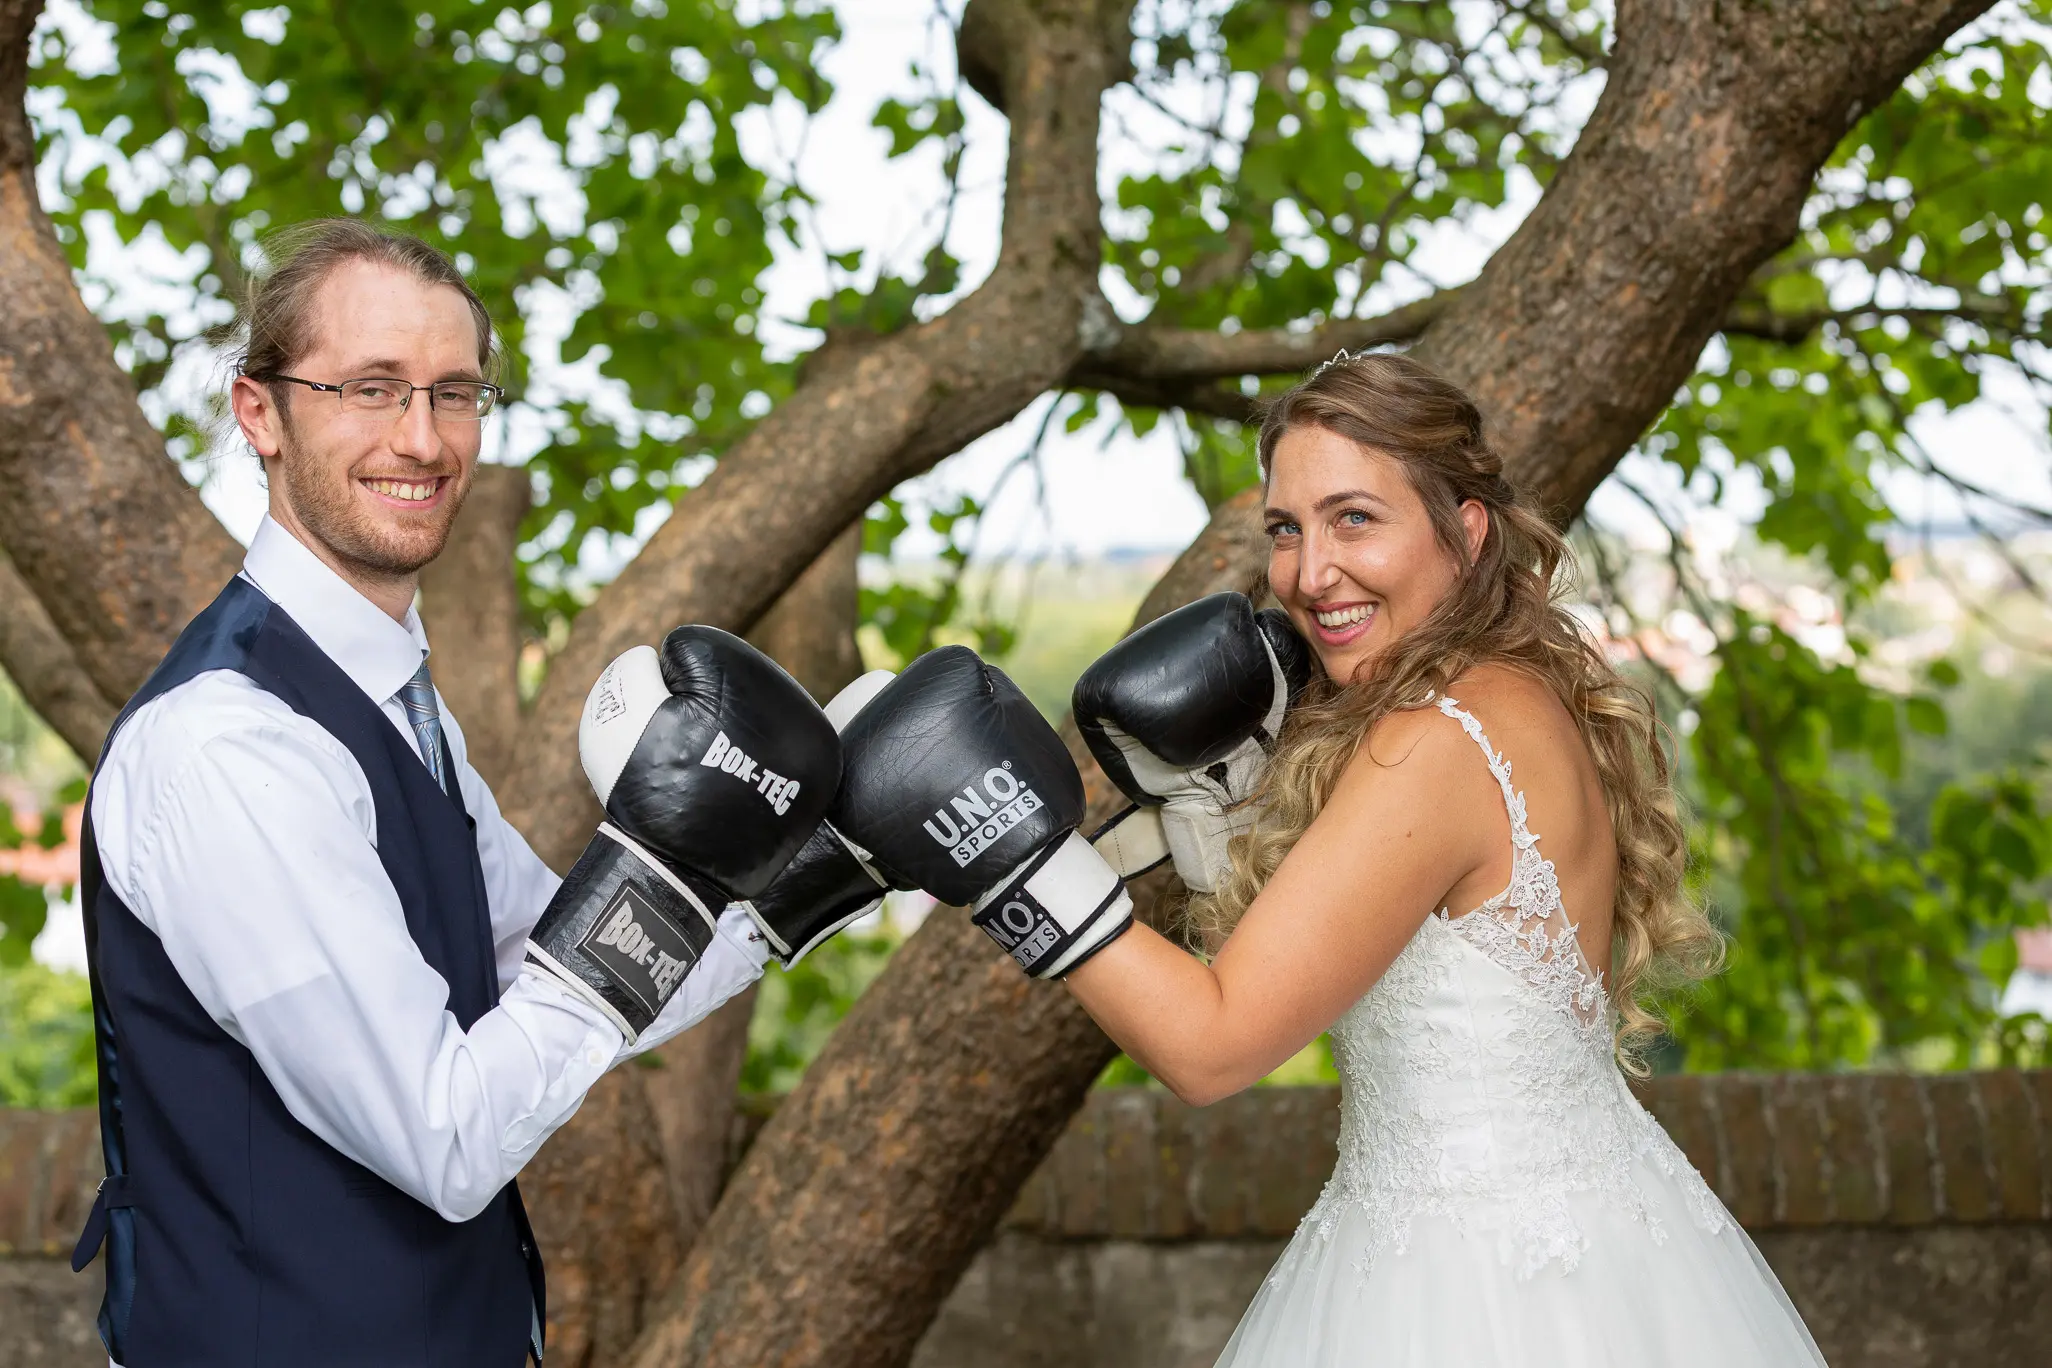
[714, 767]
[1182, 716]
[953, 782]
[829, 883]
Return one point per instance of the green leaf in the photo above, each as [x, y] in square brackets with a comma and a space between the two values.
[46, 1038]
[664, 236]
[23, 910]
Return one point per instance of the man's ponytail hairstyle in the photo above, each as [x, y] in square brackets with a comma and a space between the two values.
[277, 313]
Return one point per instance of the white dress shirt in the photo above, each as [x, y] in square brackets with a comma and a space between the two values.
[244, 836]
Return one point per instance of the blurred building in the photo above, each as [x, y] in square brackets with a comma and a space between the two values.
[2030, 987]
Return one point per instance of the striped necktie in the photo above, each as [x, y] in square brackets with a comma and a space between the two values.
[418, 696]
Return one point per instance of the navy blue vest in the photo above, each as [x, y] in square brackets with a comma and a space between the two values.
[235, 1235]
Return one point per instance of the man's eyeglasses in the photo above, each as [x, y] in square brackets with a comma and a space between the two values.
[457, 400]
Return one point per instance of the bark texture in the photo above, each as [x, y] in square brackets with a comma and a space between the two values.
[44, 668]
[600, 1199]
[810, 630]
[893, 1161]
[103, 529]
[470, 605]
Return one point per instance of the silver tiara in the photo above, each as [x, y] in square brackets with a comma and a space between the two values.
[1339, 358]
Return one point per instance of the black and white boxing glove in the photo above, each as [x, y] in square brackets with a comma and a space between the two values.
[829, 883]
[953, 782]
[1182, 716]
[833, 882]
[714, 767]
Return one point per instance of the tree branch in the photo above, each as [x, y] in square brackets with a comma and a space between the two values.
[1586, 48]
[1752, 318]
[40, 661]
[1151, 366]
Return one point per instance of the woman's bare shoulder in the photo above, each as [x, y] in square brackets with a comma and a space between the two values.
[1503, 697]
[1418, 744]
[1417, 779]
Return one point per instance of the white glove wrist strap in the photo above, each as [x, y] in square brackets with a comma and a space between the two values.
[1059, 907]
[1132, 842]
[1197, 834]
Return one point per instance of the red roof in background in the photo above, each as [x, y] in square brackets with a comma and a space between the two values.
[34, 865]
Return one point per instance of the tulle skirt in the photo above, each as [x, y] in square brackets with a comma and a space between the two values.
[1450, 1299]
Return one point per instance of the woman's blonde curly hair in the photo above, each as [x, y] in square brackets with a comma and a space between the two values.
[1503, 609]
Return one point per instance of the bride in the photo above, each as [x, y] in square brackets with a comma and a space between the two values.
[1465, 864]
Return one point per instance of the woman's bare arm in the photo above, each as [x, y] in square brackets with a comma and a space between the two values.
[1404, 825]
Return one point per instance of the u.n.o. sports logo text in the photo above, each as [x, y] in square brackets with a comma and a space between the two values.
[974, 822]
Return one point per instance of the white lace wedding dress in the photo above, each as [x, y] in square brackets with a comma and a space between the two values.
[1501, 1199]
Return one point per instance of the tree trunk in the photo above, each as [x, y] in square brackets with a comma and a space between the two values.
[664, 1121]
[105, 531]
[890, 1165]
[470, 605]
[810, 631]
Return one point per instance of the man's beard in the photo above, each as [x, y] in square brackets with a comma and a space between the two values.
[325, 503]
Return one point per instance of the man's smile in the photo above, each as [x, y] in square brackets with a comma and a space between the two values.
[407, 492]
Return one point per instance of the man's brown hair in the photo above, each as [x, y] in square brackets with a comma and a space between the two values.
[278, 308]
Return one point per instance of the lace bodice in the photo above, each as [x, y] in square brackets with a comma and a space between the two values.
[1478, 1080]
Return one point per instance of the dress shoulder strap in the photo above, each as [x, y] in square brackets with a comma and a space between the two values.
[1513, 801]
[1525, 928]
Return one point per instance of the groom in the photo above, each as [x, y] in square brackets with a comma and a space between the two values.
[322, 1055]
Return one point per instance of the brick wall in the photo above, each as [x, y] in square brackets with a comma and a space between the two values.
[1783, 1151]
[1910, 1217]
[49, 1168]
